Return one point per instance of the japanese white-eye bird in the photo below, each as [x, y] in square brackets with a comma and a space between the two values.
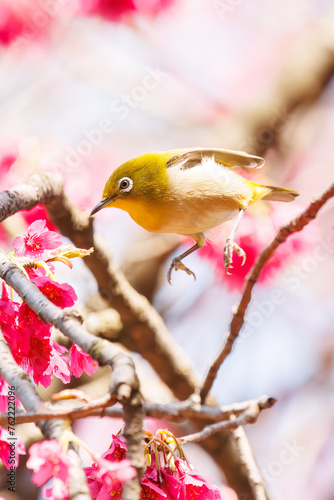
[188, 192]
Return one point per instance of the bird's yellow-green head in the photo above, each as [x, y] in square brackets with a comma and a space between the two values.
[143, 178]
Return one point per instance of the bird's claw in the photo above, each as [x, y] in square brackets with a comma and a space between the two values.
[228, 254]
[176, 265]
[240, 252]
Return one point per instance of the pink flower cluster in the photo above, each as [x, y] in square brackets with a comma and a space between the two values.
[167, 477]
[182, 482]
[26, 333]
[161, 481]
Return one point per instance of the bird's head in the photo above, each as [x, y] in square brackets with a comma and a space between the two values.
[143, 177]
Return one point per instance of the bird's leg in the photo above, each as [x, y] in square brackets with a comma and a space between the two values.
[231, 245]
[177, 264]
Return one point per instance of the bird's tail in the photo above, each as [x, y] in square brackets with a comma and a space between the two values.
[280, 194]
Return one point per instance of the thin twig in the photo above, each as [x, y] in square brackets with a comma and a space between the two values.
[238, 317]
[247, 417]
[174, 412]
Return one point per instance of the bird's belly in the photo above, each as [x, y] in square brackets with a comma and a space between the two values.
[191, 223]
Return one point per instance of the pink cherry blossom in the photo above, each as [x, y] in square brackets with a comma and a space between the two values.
[105, 477]
[60, 294]
[117, 451]
[37, 241]
[81, 362]
[100, 486]
[48, 460]
[107, 474]
[192, 484]
[10, 449]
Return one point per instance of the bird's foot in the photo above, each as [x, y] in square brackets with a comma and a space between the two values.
[178, 264]
[228, 254]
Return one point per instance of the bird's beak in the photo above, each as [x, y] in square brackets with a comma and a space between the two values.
[102, 204]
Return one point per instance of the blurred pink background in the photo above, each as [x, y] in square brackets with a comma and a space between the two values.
[85, 87]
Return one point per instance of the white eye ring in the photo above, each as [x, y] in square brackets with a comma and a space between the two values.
[125, 184]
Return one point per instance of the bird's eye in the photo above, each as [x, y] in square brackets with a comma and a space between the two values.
[125, 184]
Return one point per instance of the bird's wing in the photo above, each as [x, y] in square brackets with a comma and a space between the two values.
[188, 158]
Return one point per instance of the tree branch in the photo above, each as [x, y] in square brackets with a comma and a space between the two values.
[36, 189]
[238, 317]
[249, 465]
[28, 396]
[174, 412]
[124, 385]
